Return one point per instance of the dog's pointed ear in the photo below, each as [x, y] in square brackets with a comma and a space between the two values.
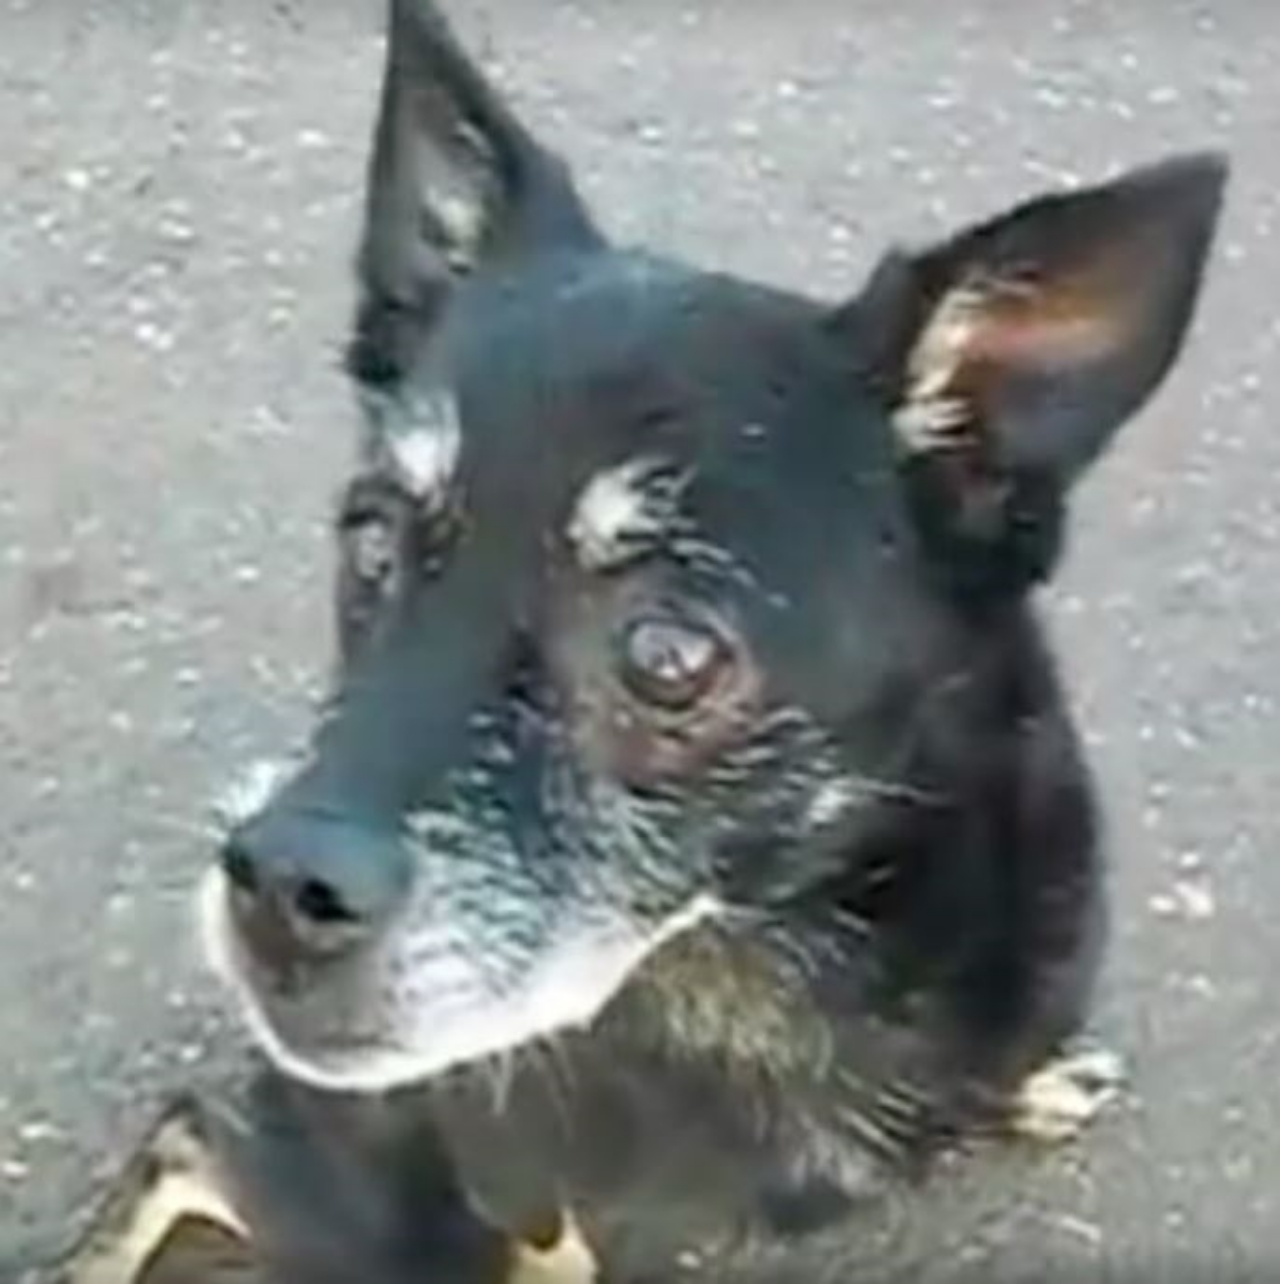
[1009, 355]
[455, 182]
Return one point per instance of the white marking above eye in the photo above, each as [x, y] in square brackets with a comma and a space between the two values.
[423, 450]
[624, 509]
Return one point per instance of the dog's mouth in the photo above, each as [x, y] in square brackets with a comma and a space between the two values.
[421, 1002]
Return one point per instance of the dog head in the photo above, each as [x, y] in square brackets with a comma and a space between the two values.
[648, 575]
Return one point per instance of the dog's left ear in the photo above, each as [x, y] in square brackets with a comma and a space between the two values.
[1009, 355]
[456, 184]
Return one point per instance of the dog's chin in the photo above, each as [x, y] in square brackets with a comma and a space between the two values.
[564, 988]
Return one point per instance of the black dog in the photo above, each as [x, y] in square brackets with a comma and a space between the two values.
[697, 837]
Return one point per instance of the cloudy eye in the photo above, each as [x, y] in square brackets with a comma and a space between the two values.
[670, 662]
[371, 546]
[372, 529]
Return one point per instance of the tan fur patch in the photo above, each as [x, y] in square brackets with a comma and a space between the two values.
[986, 328]
[933, 409]
[568, 1260]
[172, 1178]
[1063, 1097]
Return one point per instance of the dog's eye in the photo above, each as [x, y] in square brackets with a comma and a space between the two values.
[371, 545]
[382, 531]
[670, 662]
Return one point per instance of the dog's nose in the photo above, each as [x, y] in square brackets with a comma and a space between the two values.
[310, 887]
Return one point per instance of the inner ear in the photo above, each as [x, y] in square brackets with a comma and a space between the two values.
[455, 182]
[1029, 339]
[990, 335]
[1008, 356]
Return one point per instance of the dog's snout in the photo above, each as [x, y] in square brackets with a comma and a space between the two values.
[310, 886]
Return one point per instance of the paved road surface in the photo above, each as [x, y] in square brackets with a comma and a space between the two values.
[178, 188]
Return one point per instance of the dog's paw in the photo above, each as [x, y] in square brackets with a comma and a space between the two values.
[171, 1181]
[560, 1256]
[1058, 1101]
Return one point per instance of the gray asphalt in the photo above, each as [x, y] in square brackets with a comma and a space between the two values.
[178, 193]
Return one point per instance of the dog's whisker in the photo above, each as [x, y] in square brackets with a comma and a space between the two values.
[555, 1070]
[500, 1071]
[894, 790]
[207, 831]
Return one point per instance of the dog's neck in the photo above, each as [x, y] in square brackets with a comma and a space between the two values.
[824, 986]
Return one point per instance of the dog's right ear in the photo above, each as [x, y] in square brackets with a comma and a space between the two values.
[455, 185]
